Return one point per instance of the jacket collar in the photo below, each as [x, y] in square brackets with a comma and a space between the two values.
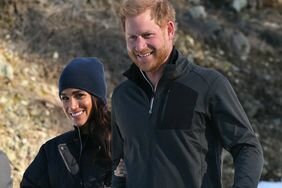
[177, 65]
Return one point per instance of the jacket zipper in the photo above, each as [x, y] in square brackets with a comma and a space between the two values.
[151, 105]
[153, 90]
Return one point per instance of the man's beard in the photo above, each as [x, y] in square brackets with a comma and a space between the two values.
[159, 56]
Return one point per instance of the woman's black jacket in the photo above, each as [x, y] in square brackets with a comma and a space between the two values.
[70, 160]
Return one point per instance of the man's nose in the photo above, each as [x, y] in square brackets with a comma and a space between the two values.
[140, 44]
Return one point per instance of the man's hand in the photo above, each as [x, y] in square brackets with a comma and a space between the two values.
[120, 171]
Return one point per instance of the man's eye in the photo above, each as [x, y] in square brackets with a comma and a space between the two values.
[147, 35]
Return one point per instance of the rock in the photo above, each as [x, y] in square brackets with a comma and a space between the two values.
[195, 2]
[56, 55]
[240, 45]
[255, 4]
[238, 5]
[6, 70]
[197, 12]
[273, 3]
[272, 37]
[235, 43]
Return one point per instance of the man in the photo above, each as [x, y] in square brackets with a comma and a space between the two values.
[171, 118]
[5, 171]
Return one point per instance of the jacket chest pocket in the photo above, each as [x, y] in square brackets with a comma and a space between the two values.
[177, 107]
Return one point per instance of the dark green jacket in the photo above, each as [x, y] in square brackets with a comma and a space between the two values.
[174, 136]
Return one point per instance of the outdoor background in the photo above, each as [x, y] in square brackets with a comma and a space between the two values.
[240, 38]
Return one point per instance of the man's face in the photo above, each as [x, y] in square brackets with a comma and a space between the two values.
[148, 44]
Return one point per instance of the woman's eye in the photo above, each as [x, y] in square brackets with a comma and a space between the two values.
[132, 38]
[64, 98]
[80, 95]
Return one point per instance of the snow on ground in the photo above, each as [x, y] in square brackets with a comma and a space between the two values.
[264, 184]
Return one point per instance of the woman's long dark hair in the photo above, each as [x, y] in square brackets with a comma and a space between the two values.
[100, 124]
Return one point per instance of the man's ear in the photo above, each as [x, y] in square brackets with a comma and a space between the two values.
[171, 29]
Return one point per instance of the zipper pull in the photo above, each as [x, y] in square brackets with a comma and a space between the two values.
[151, 105]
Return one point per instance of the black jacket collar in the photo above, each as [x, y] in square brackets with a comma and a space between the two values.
[176, 66]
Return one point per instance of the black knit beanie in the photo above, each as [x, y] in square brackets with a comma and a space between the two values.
[85, 73]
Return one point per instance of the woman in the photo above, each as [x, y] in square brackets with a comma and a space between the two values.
[81, 157]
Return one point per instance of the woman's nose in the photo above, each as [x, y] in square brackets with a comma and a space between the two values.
[73, 103]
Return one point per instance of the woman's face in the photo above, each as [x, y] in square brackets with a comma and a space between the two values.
[77, 105]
